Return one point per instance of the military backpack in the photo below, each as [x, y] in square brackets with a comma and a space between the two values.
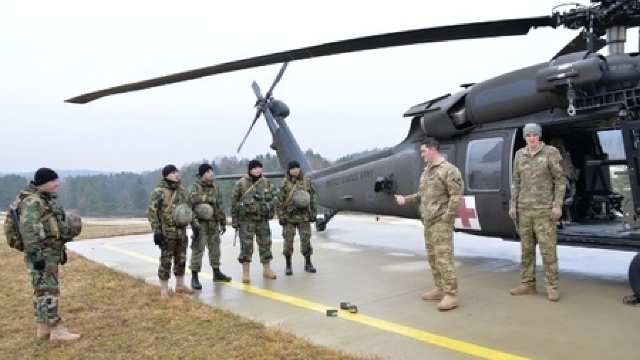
[12, 222]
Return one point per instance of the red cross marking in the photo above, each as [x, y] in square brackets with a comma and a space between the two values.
[465, 213]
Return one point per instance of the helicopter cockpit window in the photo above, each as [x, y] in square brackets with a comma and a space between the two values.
[484, 164]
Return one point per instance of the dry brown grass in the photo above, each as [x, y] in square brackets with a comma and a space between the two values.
[121, 317]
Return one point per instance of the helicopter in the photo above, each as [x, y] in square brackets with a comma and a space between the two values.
[573, 96]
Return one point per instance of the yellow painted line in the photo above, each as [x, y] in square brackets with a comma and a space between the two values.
[424, 336]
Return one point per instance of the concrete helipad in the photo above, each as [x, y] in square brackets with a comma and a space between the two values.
[380, 267]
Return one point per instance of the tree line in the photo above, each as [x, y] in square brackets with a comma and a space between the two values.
[126, 194]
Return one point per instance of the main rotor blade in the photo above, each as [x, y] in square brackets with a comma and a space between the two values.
[256, 90]
[428, 35]
[579, 43]
[277, 79]
[250, 127]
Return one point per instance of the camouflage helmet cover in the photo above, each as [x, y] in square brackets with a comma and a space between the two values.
[182, 215]
[74, 221]
[301, 198]
[204, 211]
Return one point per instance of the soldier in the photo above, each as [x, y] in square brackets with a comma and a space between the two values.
[252, 205]
[439, 196]
[537, 194]
[45, 228]
[297, 209]
[208, 208]
[169, 213]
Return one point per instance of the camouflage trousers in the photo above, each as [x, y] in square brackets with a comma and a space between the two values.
[537, 227]
[46, 290]
[212, 243]
[173, 250]
[289, 233]
[262, 232]
[438, 238]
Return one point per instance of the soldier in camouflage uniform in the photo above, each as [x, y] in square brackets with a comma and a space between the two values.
[252, 206]
[537, 194]
[208, 208]
[44, 230]
[439, 196]
[169, 232]
[298, 214]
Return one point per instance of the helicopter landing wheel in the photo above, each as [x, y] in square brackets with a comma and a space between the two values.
[634, 281]
[630, 300]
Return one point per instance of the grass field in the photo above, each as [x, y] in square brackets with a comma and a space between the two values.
[122, 317]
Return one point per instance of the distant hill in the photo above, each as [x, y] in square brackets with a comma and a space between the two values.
[61, 173]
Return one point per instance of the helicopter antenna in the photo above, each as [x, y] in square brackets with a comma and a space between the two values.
[263, 103]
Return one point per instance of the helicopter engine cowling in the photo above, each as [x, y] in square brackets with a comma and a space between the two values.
[509, 96]
[579, 70]
[279, 109]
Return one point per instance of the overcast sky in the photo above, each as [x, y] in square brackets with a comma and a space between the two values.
[54, 50]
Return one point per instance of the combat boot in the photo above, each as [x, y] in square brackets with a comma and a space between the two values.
[195, 282]
[448, 302]
[267, 273]
[553, 294]
[42, 331]
[60, 333]
[219, 276]
[246, 274]
[435, 294]
[308, 266]
[181, 287]
[523, 289]
[164, 289]
[288, 270]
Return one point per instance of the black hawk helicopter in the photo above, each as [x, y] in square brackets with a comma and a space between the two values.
[574, 96]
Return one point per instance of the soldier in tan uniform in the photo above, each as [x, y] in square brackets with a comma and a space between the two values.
[537, 193]
[439, 196]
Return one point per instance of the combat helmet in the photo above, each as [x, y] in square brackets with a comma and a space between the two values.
[74, 222]
[204, 211]
[301, 198]
[182, 215]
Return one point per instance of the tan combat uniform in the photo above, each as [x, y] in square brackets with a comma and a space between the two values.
[538, 185]
[439, 196]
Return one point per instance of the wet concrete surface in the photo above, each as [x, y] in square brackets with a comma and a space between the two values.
[380, 267]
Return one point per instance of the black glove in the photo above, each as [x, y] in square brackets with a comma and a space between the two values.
[312, 218]
[235, 225]
[196, 233]
[158, 239]
[39, 265]
[223, 229]
[283, 222]
[63, 256]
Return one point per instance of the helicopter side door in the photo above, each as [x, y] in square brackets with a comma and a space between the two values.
[486, 169]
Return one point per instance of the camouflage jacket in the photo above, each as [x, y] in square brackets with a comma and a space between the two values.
[538, 179]
[207, 192]
[440, 193]
[253, 199]
[286, 208]
[159, 211]
[43, 223]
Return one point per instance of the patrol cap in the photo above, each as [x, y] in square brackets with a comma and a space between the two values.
[532, 128]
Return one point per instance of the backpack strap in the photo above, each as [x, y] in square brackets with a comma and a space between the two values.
[167, 204]
[244, 184]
